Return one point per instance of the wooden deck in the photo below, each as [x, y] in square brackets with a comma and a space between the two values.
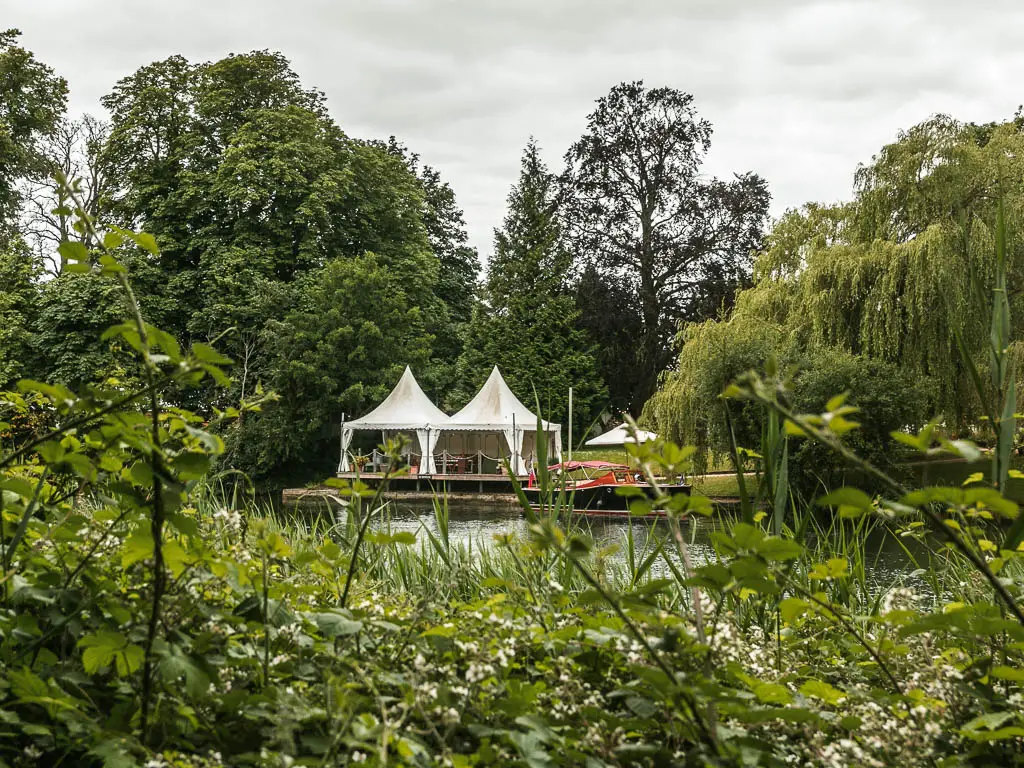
[467, 483]
[467, 488]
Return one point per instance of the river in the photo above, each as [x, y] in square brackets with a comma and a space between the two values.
[887, 561]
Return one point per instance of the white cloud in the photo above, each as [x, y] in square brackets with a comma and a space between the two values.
[799, 90]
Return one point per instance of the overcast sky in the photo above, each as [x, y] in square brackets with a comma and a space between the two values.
[800, 91]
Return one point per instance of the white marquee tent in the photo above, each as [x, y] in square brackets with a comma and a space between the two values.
[406, 410]
[497, 411]
[620, 436]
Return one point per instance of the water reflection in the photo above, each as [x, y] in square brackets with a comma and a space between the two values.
[888, 561]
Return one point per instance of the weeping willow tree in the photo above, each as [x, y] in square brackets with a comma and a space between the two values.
[887, 280]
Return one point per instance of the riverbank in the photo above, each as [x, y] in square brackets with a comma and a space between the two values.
[326, 497]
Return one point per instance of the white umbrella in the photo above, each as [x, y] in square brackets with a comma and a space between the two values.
[619, 436]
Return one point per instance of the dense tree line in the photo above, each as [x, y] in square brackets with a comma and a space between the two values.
[321, 263]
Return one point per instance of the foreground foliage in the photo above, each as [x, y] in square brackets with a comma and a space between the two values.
[292, 642]
[146, 620]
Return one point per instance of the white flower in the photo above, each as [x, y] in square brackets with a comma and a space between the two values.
[478, 672]
[358, 757]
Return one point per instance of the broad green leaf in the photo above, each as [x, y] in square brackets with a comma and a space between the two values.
[772, 693]
[793, 607]
[845, 497]
[112, 240]
[137, 547]
[191, 465]
[101, 648]
[207, 354]
[987, 722]
[73, 251]
[1007, 673]
[333, 624]
[776, 548]
[746, 536]
[129, 659]
[822, 690]
[440, 631]
[145, 240]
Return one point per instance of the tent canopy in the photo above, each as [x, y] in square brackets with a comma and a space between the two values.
[494, 411]
[619, 436]
[496, 407]
[406, 409]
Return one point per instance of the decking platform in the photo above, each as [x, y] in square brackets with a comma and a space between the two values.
[439, 483]
[493, 490]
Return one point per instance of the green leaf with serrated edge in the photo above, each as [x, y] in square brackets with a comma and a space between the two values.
[775, 548]
[792, 608]
[73, 251]
[112, 240]
[137, 547]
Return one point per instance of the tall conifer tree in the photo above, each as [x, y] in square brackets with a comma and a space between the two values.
[527, 324]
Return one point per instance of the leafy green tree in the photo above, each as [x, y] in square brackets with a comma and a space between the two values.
[146, 158]
[458, 268]
[528, 327]
[608, 316]
[875, 290]
[350, 330]
[458, 262]
[178, 129]
[247, 185]
[19, 294]
[74, 312]
[642, 214]
[32, 101]
[888, 398]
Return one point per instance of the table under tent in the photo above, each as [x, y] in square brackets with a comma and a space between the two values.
[406, 411]
[494, 426]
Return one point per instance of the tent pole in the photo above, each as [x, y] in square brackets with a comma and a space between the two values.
[425, 458]
[513, 467]
[341, 444]
[570, 423]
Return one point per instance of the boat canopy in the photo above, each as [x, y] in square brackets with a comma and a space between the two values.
[406, 409]
[620, 436]
[496, 409]
[569, 466]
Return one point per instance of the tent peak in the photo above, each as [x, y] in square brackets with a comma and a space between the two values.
[407, 407]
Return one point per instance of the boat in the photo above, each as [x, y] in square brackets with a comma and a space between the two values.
[597, 493]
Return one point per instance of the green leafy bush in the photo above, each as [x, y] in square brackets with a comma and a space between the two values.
[144, 621]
